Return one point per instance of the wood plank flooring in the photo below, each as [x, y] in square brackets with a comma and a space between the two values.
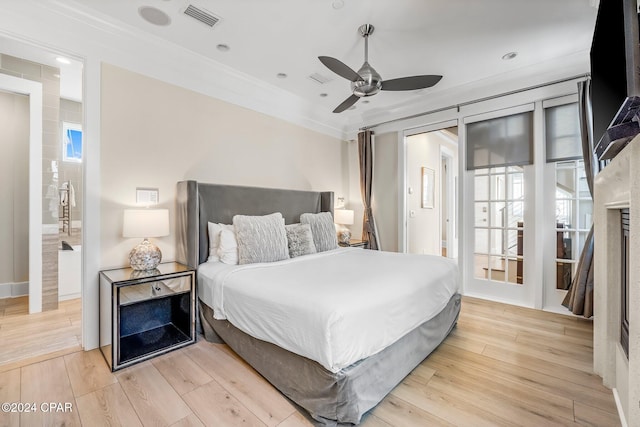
[31, 335]
[501, 366]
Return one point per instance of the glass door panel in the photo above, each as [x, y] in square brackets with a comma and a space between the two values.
[573, 217]
[499, 224]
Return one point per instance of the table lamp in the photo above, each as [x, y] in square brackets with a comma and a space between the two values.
[145, 223]
[343, 217]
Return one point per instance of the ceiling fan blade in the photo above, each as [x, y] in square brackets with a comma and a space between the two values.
[340, 68]
[346, 104]
[411, 83]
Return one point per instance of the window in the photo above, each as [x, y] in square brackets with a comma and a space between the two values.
[499, 224]
[502, 141]
[573, 204]
[573, 216]
[497, 151]
[71, 142]
[562, 133]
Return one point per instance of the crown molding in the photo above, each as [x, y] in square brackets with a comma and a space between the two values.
[70, 26]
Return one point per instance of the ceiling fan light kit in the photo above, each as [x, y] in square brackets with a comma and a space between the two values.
[367, 81]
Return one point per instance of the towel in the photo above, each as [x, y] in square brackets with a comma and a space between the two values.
[67, 195]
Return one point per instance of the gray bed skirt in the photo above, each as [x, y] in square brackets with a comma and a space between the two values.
[345, 396]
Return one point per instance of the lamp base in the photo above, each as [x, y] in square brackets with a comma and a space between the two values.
[145, 256]
[344, 236]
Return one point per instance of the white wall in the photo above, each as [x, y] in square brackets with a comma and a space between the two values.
[155, 134]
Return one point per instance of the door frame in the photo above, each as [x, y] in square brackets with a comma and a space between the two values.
[402, 174]
[449, 197]
[34, 91]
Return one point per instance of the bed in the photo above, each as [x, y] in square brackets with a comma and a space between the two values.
[335, 331]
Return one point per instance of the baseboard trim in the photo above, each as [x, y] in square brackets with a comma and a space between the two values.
[69, 296]
[12, 290]
[616, 397]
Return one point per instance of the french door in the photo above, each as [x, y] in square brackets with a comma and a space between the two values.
[502, 226]
[568, 212]
[500, 198]
[527, 204]
[499, 224]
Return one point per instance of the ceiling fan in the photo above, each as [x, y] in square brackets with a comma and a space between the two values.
[367, 81]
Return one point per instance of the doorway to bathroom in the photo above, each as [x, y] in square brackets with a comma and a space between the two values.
[41, 225]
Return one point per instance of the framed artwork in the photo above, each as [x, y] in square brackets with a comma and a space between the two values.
[428, 187]
[71, 142]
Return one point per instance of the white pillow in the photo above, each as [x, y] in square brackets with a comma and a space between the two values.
[228, 249]
[214, 238]
[323, 230]
[261, 238]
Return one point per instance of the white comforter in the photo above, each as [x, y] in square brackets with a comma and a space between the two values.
[334, 307]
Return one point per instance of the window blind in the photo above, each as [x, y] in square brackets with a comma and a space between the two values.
[562, 133]
[503, 141]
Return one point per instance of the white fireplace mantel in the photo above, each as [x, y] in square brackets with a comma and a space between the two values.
[617, 186]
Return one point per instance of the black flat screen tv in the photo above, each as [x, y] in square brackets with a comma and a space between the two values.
[615, 78]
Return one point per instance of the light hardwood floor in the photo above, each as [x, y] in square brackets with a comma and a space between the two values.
[32, 335]
[501, 366]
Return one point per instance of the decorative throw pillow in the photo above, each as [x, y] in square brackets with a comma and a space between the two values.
[214, 230]
[228, 249]
[323, 230]
[261, 238]
[300, 240]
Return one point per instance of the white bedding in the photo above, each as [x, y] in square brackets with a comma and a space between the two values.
[334, 307]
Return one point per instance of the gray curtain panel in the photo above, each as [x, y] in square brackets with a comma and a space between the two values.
[365, 155]
[579, 299]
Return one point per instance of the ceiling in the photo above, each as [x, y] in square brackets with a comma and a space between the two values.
[70, 68]
[462, 40]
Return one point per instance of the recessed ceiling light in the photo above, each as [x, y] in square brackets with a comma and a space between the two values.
[154, 16]
[510, 55]
[323, 95]
[281, 75]
[337, 4]
[63, 60]
[223, 47]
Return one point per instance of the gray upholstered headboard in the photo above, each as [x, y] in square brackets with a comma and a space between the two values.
[199, 203]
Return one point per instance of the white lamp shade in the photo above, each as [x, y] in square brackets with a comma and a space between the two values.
[343, 216]
[145, 223]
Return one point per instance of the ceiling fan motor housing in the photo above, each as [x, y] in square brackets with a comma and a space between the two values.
[370, 84]
[367, 81]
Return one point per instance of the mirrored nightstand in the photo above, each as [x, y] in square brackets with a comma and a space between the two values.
[356, 244]
[145, 313]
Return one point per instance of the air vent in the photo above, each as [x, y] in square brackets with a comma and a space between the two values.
[201, 15]
[319, 78]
